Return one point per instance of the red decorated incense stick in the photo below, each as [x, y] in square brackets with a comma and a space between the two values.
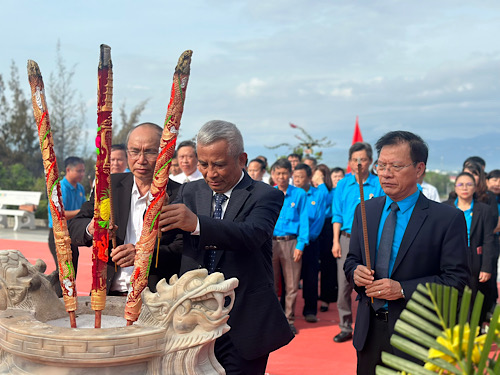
[60, 228]
[145, 246]
[102, 191]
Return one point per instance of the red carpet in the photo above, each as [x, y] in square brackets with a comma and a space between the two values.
[312, 351]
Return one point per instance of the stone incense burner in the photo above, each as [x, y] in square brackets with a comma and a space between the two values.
[175, 333]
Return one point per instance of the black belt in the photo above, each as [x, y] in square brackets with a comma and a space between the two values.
[344, 233]
[285, 238]
[382, 315]
[117, 293]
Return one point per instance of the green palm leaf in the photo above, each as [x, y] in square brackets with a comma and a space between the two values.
[429, 325]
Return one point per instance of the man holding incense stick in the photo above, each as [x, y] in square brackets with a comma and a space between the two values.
[228, 221]
[345, 199]
[130, 192]
[412, 240]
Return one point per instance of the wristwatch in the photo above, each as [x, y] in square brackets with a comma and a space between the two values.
[403, 293]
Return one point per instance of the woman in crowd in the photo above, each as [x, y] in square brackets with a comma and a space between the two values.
[480, 224]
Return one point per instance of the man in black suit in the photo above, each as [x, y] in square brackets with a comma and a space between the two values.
[228, 220]
[130, 193]
[427, 243]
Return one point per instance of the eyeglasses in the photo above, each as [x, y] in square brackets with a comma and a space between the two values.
[148, 154]
[465, 185]
[392, 167]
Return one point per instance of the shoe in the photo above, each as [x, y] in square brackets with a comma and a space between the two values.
[323, 308]
[293, 329]
[343, 336]
[310, 318]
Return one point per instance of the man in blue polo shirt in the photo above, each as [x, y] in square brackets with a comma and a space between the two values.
[345, 200]
[315, 206]
[73, 196]
[290, 236]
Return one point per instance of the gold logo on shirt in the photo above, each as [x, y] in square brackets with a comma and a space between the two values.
[313, 203]
[293, 204]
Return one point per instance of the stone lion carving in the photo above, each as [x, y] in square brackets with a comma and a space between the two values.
[175, 333]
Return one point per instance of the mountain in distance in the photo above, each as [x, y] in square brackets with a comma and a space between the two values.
[446, 155]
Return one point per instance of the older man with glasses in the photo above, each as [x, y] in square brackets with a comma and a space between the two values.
[130, 193]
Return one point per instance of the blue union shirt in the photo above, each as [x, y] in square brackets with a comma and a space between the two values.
[346, 198]
[316, 202]
[72, 197]
[293, 219]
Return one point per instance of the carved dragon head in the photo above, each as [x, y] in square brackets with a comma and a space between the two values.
[24, 286]
[194, 308]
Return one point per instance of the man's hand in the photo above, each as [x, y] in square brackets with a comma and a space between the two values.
[297, 255]
[363, 276]
[177, 216]
[123, 255]
[318, 178]
[90, 227]
[484, 276]
[384, 289]
[336, 249]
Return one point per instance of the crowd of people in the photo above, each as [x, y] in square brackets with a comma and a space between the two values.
[298, 224]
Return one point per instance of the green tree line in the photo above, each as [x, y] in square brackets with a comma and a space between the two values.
[20, 157]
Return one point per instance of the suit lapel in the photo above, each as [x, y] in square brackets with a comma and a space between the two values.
[121, 204]
[417, 219]
[238, 197]
[204, 201]
[476, 213]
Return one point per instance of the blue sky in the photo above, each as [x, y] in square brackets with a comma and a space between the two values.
[431, 67]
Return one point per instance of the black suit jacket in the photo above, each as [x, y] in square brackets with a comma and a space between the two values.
[433, 249]
[482, 250]
[243, 240]
[121, 188]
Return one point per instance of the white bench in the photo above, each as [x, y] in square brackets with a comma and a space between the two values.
[22, 217]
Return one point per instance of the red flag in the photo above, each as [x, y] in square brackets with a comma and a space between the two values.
[357, 137]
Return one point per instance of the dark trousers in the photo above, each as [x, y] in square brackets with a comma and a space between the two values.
[75, 254]
[328, 264]
[377, 341]
[310, 271]
[234, 364]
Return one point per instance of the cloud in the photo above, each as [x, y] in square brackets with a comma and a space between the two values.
[251, 88]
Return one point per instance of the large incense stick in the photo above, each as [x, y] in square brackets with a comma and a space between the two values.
[363, 219]
[102, 192]
[145, 246]
[60, 228]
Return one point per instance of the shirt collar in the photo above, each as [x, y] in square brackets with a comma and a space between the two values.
[405, 204]
[67, 183]
[369, 179]
[136, 192]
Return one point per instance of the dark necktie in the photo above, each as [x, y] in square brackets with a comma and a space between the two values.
[385, 250]
[219, 199]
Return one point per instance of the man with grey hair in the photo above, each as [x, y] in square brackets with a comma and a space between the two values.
[228, 221]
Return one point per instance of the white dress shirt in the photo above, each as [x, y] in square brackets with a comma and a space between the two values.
[138, 205]
[430, 192]
[181, 178]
